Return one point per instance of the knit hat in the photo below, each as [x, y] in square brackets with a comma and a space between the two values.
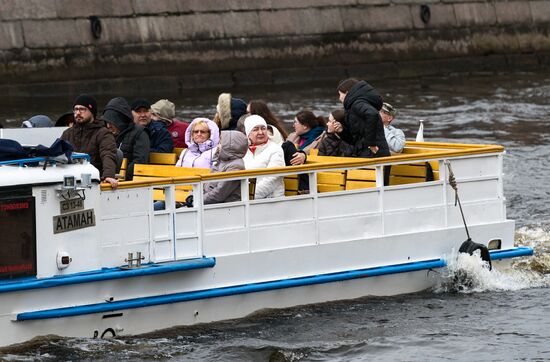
[88, 102]
[230, 110]
[38, 121]
[252, 121]
[389, 109]
[140, 103]
[165, 109]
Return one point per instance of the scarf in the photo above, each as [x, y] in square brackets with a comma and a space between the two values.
[307, 138]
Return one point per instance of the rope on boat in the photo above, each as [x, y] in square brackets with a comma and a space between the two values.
[468, 246]
[452, 183]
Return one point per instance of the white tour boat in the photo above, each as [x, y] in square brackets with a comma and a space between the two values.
[80, 259]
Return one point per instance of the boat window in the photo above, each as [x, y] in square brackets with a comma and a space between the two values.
[18, 242]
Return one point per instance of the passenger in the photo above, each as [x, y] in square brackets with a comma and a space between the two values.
[228, 111]
[65, 120]
[229, 157]
[307, 131]
[90, 136]
[37, 121]
[394, 136]
[160, 139]
[165, 111]
[260, 108]
[263, 153]
[131, 138]
[231, 150]
[331, 144]
[362, 127]
[202, 136]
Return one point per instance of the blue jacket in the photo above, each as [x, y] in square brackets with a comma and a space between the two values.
[161, 141]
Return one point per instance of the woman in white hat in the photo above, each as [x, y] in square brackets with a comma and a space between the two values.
[263, 153]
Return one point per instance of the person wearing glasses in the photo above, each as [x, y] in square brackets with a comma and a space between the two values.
[89, 135]
[202, 137]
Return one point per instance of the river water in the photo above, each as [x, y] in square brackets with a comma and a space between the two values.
[494, 316]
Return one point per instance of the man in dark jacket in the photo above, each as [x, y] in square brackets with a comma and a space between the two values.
[131, 139]
[90, 136]
[161, 141]
[362, 126]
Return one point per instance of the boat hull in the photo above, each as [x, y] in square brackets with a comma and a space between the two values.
[236, 286]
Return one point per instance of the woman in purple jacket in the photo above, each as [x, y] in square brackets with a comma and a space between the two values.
[202, 136]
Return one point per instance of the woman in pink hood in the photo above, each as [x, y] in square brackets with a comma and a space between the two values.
[202, 137]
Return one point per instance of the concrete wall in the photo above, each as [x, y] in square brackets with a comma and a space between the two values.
[187, 44]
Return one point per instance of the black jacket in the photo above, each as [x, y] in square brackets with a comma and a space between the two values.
[363, 126]
[134, 144]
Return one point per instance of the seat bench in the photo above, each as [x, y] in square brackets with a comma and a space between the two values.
[149, 172]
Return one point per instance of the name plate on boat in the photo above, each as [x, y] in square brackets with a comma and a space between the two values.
[73, 221]
[66, 206]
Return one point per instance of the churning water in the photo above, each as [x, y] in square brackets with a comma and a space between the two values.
[473, 314]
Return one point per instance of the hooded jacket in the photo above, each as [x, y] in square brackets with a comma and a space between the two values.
[362, 126]
[230, 158]
[133, 139]
[199, 155]
[97, 141]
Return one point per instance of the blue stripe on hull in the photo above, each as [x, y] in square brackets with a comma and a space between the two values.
[107, 274]
[511, 253]
[233, 290]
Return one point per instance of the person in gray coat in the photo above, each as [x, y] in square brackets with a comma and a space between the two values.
[232, 148]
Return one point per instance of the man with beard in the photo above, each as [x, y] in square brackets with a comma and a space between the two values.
[90, 136]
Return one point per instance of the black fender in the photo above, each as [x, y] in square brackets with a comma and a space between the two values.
[469, 247]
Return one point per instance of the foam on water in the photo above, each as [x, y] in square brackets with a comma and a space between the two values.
[469, 274]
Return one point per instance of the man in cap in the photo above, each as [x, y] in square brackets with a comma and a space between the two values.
[131, 138]
[161, 141]
[394, 136]
[90, 136]
[165, 111]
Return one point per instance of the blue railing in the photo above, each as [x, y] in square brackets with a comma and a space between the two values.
[24, 161]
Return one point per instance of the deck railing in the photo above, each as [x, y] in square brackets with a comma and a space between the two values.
[324, 216]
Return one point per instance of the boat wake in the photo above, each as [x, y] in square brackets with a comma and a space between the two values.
[469, 274]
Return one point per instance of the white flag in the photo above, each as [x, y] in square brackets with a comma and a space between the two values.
[420, 134]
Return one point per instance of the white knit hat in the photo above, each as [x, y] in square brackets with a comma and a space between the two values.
[252, 121]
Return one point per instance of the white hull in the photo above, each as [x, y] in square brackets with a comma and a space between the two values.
[228, 272]
[143, 320]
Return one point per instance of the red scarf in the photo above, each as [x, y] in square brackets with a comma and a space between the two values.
[252, 148]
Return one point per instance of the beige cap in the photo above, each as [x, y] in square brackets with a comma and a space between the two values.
[165, 109]
[389, 109]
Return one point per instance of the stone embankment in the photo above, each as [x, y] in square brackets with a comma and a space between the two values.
[62, 46]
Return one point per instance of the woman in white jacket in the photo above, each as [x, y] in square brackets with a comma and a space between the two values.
[263, 153]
